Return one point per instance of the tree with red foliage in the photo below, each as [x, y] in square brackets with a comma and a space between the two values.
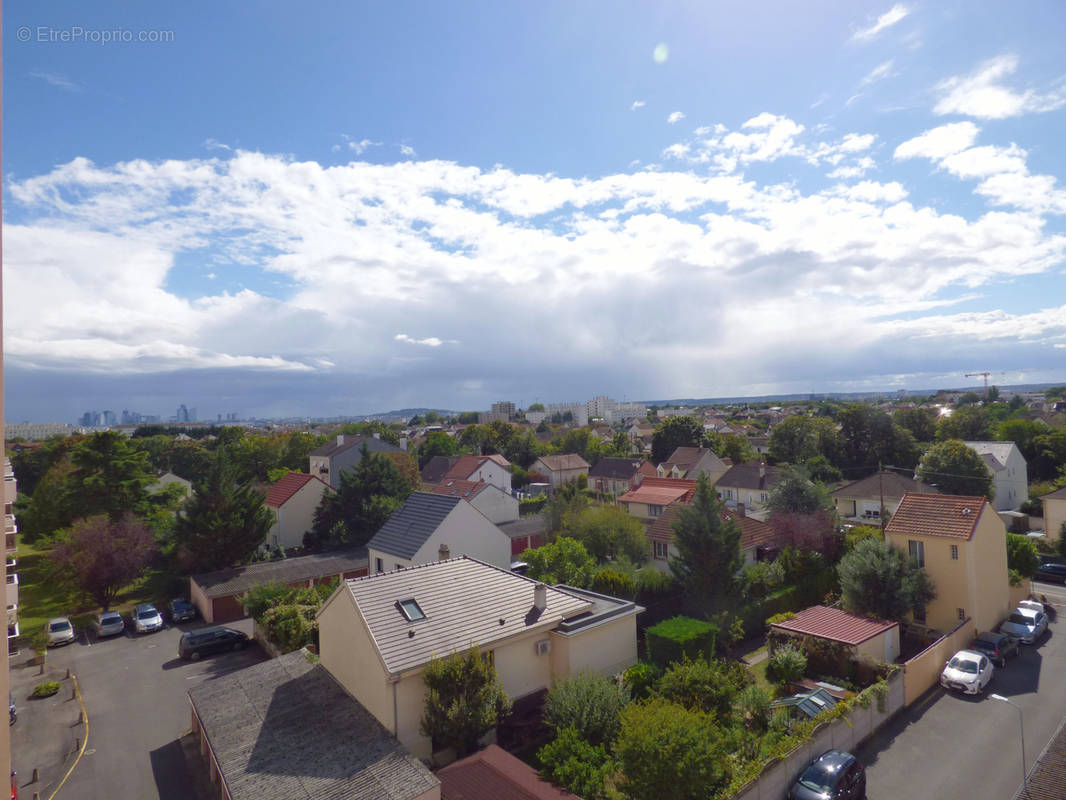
[99, 555]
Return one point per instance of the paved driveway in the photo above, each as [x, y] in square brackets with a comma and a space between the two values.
[135, 694]
[949, 746]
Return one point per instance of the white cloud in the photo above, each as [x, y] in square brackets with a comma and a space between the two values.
[57, 80]
[637, 104]
[359, 146]
[895, 14]
[429, 341]
[938, 143]
[878, 73]
[819, 100]
[214, 144]
[981, 94]
[407, 151]
[675, 117]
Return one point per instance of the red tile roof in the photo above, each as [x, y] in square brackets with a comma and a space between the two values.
[946, 515]
[835, 625]
[282, 491]
[660, 491]
[753, 532]
[563, 462]
[468, 465]
[494, 774]
[456, 488]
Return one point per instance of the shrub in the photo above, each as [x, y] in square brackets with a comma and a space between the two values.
[589, 703]
[641, 678]
[703, 685]
[532, 505]
[754, 707]
[673, 639]
[615, 584]
[787, 664]
[291, 626]
[46, 689]
[571, 762]
[784, 616]
[464, 700]
[653, 584]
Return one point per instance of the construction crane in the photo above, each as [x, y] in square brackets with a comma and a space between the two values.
[984, 374]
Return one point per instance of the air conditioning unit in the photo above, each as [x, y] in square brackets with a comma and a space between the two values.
[544, 646]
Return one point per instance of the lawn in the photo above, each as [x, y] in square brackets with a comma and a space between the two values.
[758, 671]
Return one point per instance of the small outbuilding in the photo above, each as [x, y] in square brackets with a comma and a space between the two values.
[877, 639]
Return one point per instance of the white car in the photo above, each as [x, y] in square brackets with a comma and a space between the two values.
[147, 619]
[60, 631]
[967, 671]
[1026, 624]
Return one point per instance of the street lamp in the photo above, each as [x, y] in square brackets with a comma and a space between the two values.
[1021, 726]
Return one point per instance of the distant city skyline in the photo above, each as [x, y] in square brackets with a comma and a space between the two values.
[377, 206]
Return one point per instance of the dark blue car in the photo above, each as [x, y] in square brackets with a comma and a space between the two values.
[834, 774]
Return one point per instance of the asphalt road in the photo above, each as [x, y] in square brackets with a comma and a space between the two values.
[135, 694]
[951, 746]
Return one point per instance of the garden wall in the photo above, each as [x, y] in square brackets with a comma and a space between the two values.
[778, 776]
[923, 671]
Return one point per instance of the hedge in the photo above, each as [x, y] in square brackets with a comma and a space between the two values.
[532, 506]
[675, 638]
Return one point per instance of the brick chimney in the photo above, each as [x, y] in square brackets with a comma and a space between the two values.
[741, 511]
[443, 554]
[540, 596]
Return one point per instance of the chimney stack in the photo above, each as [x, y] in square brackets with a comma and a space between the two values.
[443, 554]
[741, 511]
[340, 439]
[540, 596]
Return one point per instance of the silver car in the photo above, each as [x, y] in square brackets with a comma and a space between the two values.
[109, 623]
[1026, 624]
[146, 618]
[60, 631]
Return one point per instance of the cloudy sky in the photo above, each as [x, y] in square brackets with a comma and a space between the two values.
[340, 208]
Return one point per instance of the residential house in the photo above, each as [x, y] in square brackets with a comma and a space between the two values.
[168, 479]
[495, 774]
[561, 469]
[217, 595]
[691, 462]
[615, 475]
[1054, 513]
[757, 538]
[286, 728]
[494, 469]
[863, 500]
[292, 501]
[962, 543]
[648, 500]
[437, 467]
[876, 639]
[748, 483]
[760, 444]
[1010, 475]
[331, 459]
[378, 634]
[525, 533]
[428, 527]
[497, 505]
[11, 577]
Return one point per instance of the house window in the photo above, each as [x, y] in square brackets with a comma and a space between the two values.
[917, 552]
[378, 566]
[660, 550]
[954, 552]
[410, 609]
[654, 511]
[961, 612]
[919, 615]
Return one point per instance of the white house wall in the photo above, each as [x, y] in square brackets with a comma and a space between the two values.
[496, 505]
[466, 531]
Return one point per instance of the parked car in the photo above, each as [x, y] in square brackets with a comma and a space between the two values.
[968, 671]
[146, 618]
[194, 645]
[1051, 571]
[181, 610]
[833, 774]
[60, 631]
[109, 623]
[1025, 624]
[997, 646]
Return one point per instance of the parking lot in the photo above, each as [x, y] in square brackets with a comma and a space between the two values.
[134, 689]
[951, 746]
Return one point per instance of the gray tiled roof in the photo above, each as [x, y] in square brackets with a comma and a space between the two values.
[373, 444]
[1000, 451]
[413, 523]
[891, 483]
[285, 730]
[241, 579]
[466, 603]
[618, 468]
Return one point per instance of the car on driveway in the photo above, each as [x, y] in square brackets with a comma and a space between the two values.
[968, 671]
[1025, 624]
[60, 631]
[1051, 571]
[181, 610]
[108, 623]
[146, 618]
[194, 645]
[834, 774]
[997, 646]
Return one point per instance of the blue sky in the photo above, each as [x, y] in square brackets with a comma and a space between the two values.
[351, 208]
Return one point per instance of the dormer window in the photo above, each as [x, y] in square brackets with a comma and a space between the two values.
[410, 609]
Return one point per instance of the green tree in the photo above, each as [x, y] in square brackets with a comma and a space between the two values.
[607, 533]
[367, 496]
[99, 556]
[1024, 433]
[371, 427]
[223, 522]
[437, 443]
[970, 424]
[736, 448]
[799, 438]
[535, 407]
[707, 548]
[881, 581]
[581, 441]
[704, 685]
[968, 399]
[954, 468]
[109, 476]
[674, 432]
[1050, 457]
[576, 765]
[921, 422]
[868, 437]
[669, 752]
[588, 702]
[1022, 555]
[796, 492]
[49, 509]
[563, 561]
[787, 664]
[464, 701]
